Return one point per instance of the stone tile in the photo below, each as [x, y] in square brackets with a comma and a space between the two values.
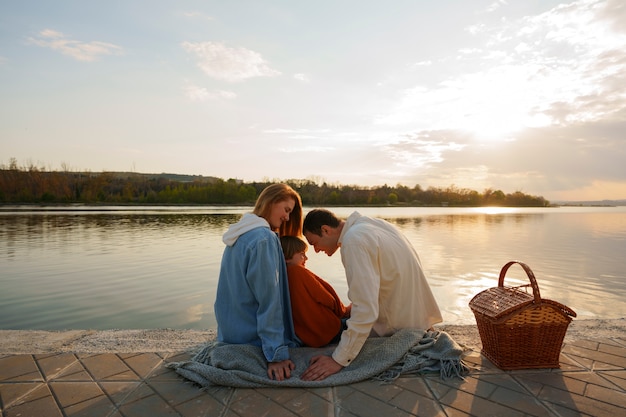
[415, 385]
[483, 365]
[29, 400]
[567, 412]
[342, 391]
[94, 407]
[64, 366]
[19, 368]
[119, 391]
[615, 341]
[176, 356]
[569, 363]
[481, 385]
[162, 373]
[107, 366]
[617, 378]
[202, 406]
[608, 362]
[141, 391]
[221, 394]
[240, 394]
[585, 344]
[175, 392]
[611, 346]
[453, 412]
[535, 383]
[582, 362]
[143, 364]
[601, 360]
[12, 394]
[607, 395]
[309, 404]
[326, 393]
[253, 404]
[71, 393]
[476, 406]
[417, 404]
[591, 378]
[578, 403]
[438, 388]
[378, 390]
[281, 395]
[518, 401]
[591, 381]
[37, 408]
[150, 406]
[363, 405]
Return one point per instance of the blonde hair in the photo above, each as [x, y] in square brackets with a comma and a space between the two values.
[276, 193]
[292, 245]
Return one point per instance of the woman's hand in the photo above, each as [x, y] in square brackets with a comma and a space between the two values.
[280, 370]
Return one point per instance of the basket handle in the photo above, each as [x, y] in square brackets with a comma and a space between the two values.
[531, 277]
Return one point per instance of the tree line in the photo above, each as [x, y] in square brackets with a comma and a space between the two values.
[36, 186]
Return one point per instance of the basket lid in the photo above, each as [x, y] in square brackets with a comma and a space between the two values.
[499, 302]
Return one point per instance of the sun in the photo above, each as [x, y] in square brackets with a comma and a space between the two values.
[494, 118]
[494, 105]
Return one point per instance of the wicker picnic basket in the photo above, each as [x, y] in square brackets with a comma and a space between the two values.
[519, 330]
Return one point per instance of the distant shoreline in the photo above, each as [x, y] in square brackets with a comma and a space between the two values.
[122, 206]
[13, 342]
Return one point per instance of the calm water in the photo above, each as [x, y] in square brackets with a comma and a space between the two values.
[157, 267]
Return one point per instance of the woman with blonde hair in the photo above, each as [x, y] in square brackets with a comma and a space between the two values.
[252, 304]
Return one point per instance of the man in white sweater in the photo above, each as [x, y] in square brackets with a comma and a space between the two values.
[386, 283]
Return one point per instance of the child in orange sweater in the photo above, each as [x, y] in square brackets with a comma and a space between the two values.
[316, 308]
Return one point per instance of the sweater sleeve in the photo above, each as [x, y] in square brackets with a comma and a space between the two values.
[263, 277]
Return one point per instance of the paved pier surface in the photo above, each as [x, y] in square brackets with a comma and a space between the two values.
[590, 382]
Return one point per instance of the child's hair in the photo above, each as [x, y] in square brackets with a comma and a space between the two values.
[292, 245]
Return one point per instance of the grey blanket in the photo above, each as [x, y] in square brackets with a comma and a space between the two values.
[382, 358]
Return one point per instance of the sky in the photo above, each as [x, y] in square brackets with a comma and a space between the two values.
[511, 95]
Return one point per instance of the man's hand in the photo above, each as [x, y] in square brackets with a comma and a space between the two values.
[321, 367]
[280, 370]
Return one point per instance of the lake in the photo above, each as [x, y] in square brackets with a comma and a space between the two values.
[157, 267]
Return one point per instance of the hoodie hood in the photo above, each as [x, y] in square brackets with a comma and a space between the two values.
[247, 222]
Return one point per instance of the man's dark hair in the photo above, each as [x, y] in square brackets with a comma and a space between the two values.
[317, 218]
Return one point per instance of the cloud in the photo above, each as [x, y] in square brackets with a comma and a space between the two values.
[301, 140]
[229, 64]
[81, 51]
[495, 5]
[296, 148]
[546, 161]
[197, 93]
[564, 66]
[197, 15]
[297, 131]
[302, 77]
[422, 151]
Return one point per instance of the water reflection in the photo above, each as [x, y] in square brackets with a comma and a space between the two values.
[123, 268]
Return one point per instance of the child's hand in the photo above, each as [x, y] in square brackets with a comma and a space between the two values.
[280, 370]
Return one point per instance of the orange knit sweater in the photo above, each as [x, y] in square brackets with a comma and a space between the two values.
[317, 309]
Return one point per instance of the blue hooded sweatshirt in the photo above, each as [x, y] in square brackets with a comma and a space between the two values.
[252, 304]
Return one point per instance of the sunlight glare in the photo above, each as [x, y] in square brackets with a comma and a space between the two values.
[494, 210]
